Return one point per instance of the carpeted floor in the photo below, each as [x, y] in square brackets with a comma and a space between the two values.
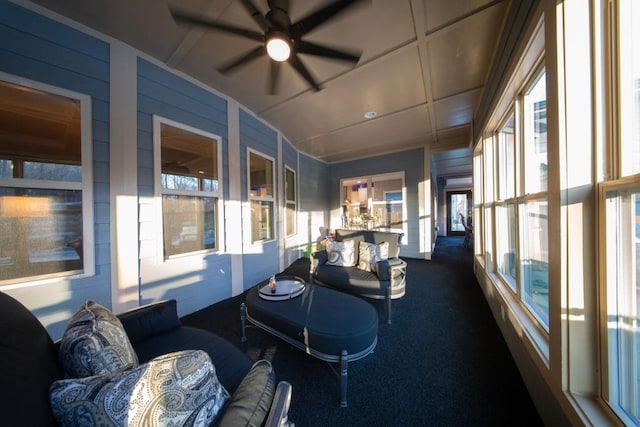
[442, 362]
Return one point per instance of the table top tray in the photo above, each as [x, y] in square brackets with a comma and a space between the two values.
[287, 287]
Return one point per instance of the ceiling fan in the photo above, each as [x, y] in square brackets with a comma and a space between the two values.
[280, 39]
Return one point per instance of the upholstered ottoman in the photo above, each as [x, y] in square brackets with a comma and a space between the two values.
[327, 324]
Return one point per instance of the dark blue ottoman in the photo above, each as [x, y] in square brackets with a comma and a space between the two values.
[327, 324]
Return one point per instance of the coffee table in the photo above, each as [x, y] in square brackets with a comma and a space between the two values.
[326, 324]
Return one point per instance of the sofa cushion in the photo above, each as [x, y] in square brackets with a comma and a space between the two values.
[341, 254]
[230, 362]
[150, 320]
[250, 404]
[369, 254]
[29, 366]
[95, 343]
[178, 389]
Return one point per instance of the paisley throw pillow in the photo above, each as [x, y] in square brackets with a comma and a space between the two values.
[176, 389]
[95, 343]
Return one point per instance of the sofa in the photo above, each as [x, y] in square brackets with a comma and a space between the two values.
[170, 356]
[363, 262]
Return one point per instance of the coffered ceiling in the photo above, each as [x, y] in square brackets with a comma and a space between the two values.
[422, 70]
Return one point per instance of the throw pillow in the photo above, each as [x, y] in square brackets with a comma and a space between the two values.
[95, 343]
[341, 254]
[176, 389]
[370, 253]
[249, 405]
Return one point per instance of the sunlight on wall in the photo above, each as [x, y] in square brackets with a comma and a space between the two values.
[425, 222]
[125, 254]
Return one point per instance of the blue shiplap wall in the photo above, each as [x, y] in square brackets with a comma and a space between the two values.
[315, 188]
[289, 155]
[194, 282]
[410, 162]
[39, 49]
[293, 249]
[262, 261]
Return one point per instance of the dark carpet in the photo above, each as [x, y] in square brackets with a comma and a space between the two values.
[442, 362]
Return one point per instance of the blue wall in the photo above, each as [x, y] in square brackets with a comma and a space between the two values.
[263, 260]
[410, 162]
[42, 50]
[165, 94]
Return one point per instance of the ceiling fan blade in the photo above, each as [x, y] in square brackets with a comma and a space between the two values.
[257, 16]
[188, 18]
[302, 70]
[318, 50]
[274, 77]
[255, 53]
[308, 23]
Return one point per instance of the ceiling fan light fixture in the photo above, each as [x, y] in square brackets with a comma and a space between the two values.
[278, 47]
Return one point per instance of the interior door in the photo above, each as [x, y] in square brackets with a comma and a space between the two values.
[458, 209]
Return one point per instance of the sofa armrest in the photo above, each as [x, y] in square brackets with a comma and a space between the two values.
[257, 399]
[384, 272]
[319, 258]
[279, 412]
[150, 320]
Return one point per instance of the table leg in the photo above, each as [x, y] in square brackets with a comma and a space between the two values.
[388, 301]
[243, 321]
[344, 366]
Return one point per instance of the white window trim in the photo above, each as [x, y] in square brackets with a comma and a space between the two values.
[159, 191]
[86, 186]
[271, 198]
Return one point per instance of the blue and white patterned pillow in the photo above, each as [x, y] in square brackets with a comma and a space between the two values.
[95, 343]
[176, 389]
[370, 253]
[341, 254]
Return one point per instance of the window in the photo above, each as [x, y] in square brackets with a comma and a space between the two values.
[533, 218]
[622, 216]
[261, 196]
[535, 134]
[505, 208]
[290, 200]
[521, 211]
[620, 204]
[506, 158]
[629, 87]
[374, 202]
[189, 183]
[45, 211]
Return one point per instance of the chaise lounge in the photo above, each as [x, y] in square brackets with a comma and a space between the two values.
[357, 266]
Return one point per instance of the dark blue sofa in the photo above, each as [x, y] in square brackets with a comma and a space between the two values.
[29, 365]
[388, 283]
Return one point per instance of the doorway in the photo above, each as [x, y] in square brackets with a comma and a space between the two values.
[458, 212]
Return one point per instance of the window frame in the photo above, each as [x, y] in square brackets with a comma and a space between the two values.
[85, 185]
[620, 175]
[288, 202]
[267, 198]
[513, 110]
[159, 191]
[370, 181]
